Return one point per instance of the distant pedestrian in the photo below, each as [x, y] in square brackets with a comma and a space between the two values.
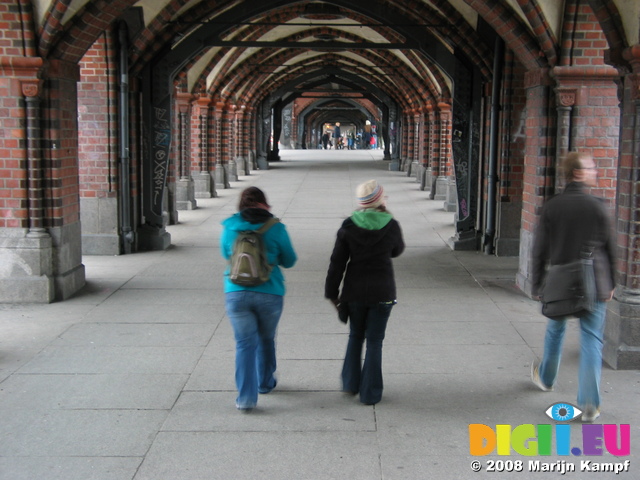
[568, 221]
[325, 140]
[361, 260]
[255, 311]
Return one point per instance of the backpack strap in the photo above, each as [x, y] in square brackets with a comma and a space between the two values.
[267, 225]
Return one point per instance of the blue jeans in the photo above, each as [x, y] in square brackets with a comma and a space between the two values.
[254, 317]
[366, 321]
[591, 333]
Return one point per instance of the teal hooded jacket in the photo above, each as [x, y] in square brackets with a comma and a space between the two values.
[280, 252]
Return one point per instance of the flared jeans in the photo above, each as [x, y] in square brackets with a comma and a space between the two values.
[366, 321]
[254, 317]
[591, 333]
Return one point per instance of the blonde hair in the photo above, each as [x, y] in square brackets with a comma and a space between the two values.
[573, 161]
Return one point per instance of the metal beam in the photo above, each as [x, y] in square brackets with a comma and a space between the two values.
[320, 45]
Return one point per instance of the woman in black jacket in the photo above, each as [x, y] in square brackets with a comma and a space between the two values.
[365, 245]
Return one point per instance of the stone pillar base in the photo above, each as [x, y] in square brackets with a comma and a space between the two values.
[26, 272]
[394, 165]
[412, 170]
[439, 188]
[68, 270]
[170, 212]
[464, 241]
[69, 282]
[221, 179]
[185, 194]
[622, 331]
[203, 185]
[507, 242]
[423, 177]
[451, 199]
[153, 238]
[524, 262]
[99, 220]
[241, 166]
[100, 244]
[232, 169]
[262, 163]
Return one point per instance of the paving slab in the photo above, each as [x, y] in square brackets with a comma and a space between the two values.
[273, 455]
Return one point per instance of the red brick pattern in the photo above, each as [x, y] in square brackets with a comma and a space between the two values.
[97, 120]
[539, 161]
[95, 17]
[61, 144]
[628, 201]
[512, 141]
[583, 41]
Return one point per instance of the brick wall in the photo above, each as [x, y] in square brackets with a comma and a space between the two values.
[511, 161]
[61, 144]
[587, 42]
[13, 167]
[539, 149]
[97, 121]
[16, 67]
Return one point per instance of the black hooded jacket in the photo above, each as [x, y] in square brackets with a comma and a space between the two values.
[366, 256]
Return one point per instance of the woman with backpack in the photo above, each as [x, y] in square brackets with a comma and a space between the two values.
[254, 302]
[365, 244]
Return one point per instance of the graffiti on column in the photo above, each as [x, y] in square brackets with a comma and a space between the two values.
[464, 148]
[286, 126]
[161, 142]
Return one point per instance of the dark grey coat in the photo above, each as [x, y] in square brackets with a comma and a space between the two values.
[569, 221]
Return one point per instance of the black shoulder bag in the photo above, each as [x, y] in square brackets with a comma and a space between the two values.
[570, 288]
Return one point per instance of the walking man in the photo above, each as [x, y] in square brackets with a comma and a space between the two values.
[567, 222]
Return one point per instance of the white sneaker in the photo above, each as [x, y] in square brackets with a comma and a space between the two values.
[535, 378]
[590, 414]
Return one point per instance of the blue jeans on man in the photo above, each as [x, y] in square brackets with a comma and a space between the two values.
[367, 321]
[591, 333]
[254, 317]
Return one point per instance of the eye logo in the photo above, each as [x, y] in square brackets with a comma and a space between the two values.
[563, 412]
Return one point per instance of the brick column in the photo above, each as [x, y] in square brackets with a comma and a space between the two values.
[622, 329]
[592, 93]
[32, 89]
[204, 177]
[26, 247]
[218, 138]
[250, 138]
[417, 144]
[61, 150]
[434, 149]
[185, 188]
[230, 143]
[294, 127]
[565, 101]
[446, 182]
[424, 167]
[539, 164]
[242, 164]
[407, 141]
[98, 151]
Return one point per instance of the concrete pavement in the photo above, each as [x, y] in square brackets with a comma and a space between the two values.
[132, 379]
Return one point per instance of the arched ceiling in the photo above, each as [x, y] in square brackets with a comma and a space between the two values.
[242, 51]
